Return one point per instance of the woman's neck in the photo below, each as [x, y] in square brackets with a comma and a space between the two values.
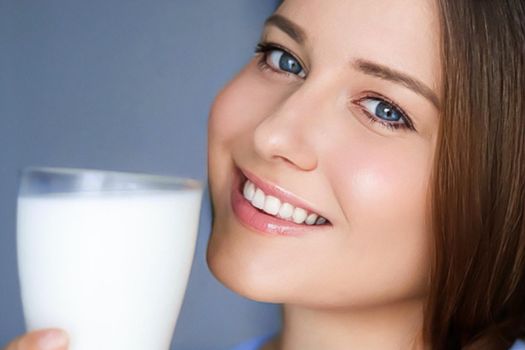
[389, 327]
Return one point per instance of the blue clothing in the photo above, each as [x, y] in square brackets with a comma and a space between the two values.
[518, 345]
[256, 343]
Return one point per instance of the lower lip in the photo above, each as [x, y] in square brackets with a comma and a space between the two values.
[263, 223]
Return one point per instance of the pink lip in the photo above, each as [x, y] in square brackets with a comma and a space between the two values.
[261, 222]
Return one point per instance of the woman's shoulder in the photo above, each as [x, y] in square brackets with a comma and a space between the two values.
[255, 343]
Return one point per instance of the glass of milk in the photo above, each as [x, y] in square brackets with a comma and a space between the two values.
[105, 256]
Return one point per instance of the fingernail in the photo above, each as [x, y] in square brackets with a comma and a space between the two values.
[52, 339]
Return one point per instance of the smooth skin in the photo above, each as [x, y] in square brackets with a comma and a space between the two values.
[46, 339]
[304, 123]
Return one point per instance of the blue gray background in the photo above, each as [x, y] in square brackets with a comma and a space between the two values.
[123, 85]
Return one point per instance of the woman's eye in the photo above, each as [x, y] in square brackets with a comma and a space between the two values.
[379, 110]
[282, 60]
[279, 60]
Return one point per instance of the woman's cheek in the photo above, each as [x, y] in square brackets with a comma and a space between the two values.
[384, 198]
[223, 125]
[226, 124]
[383, 193]
[226, 116]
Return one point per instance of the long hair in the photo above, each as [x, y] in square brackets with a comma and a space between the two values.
[477, 293]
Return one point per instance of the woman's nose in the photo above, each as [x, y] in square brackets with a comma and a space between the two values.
[289, 134]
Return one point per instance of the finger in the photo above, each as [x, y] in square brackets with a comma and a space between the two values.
[13, 345]
[48, 339]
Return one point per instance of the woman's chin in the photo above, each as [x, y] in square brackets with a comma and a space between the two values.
[238, 269]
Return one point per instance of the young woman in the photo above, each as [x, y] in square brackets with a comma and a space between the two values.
[367, 171]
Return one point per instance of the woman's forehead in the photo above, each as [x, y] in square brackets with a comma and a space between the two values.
[400, 34]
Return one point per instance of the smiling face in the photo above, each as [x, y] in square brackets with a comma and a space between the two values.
[337, 114]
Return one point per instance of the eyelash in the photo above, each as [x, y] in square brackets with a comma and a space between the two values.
[263, 48]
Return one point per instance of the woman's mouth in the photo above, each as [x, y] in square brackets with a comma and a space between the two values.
[273, 206]
[266, 208]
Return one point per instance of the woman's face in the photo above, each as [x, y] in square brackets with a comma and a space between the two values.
[337, 118]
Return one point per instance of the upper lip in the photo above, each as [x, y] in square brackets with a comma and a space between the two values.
[274, 190]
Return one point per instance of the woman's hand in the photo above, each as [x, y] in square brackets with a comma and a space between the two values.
[45, 339]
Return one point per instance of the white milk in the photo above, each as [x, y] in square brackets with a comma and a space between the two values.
[109, 269]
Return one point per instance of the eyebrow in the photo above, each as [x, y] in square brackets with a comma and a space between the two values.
[377, 70]
[387, 73]
[293, 30]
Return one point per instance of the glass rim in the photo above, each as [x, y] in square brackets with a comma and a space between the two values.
[183, 182]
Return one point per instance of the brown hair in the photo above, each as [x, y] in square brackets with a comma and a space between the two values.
[477, 293]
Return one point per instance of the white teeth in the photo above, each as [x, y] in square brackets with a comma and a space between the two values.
[286, 211]
[310, 220]
[299, 215]
[272, 205]
[249, 190]
[258, 199]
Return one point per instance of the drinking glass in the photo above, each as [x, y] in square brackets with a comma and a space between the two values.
[105, 255]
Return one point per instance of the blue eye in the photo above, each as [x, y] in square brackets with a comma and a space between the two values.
[279, 60]
[383, 110]
[386, 113]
